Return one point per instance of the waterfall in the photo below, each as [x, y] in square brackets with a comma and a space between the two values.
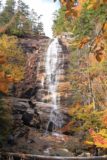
[52, 66]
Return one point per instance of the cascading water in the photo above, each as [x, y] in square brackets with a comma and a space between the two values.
[52, 67]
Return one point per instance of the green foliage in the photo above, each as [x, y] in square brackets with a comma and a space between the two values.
[61, 24]
[25, 22]
[85, 117]
[88, 20]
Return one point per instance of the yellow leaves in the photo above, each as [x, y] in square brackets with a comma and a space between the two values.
[63, 2]
[90, 6]
[94, 4]
[89, 142]
[99, 139]
[73, 110]
[11, 62]
[103, 132]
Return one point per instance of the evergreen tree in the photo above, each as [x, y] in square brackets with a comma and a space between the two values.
[23, 9]
[23, 22]
[19, 20]
[0, 5]
[40, 28]
[7, 14]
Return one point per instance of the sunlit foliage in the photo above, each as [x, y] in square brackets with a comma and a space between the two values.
[88, 20]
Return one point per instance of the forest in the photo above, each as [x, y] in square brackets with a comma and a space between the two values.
[87, 21]
[81, 26]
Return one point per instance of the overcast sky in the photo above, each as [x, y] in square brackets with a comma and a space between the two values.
[45, 8]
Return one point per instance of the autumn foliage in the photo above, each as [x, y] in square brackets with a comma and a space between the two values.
[88, 22]
[11, 62]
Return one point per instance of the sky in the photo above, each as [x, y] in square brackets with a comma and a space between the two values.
[45, 8]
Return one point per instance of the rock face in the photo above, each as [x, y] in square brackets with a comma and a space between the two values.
[34, 85]
[34, 50]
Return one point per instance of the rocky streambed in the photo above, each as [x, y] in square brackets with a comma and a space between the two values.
[29, 138]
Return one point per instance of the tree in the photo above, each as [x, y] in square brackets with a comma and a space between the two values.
[88, 72]
[19, 20]
[23, 9]
[0, 5]
[11, 70]
[61, 24]
[39, 28]
[7, 13]
[22, 23]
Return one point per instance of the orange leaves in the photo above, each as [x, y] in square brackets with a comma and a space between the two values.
[67, 127]
[68, 13]
[105, 31]
[76, 7]
[104, 1]
[9, 78]
[98, 139]
[83, 42]
[2, 74]
[2, 59]
[98, 48]
[3, 82]
[3, 87]
[98, 40]
[104, 119]
[63, 2]
[95, 4]
[105, 27]
[71, 8]
[10, 53]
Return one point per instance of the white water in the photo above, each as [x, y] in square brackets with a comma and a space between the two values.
[52, 67]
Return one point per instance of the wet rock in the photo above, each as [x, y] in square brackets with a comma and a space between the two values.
[10, 140]
[27, 118]
[85, 154]
[58, 152]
